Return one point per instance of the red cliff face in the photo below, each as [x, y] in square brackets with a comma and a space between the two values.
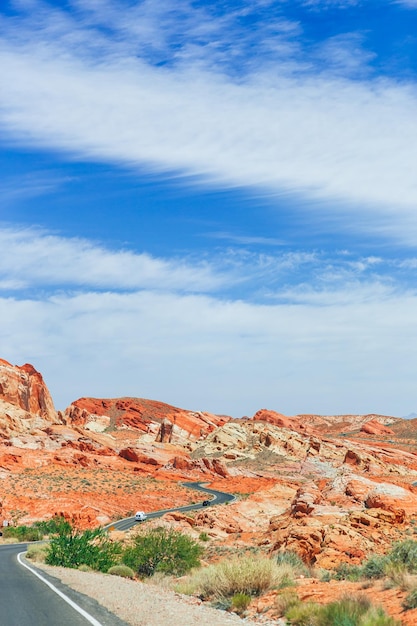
[24, 388]
[163, 422]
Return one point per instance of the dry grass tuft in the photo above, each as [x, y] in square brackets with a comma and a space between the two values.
[249, 575]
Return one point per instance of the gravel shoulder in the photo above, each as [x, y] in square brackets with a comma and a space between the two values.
[139, 604]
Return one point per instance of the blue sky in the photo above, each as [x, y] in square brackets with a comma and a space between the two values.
[212, 204]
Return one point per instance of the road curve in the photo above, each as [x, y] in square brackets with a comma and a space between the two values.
[25, 600]
[218, 497]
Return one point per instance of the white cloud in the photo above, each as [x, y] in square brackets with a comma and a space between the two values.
[45, 262]
[342, 142]
[224, 356]
[39, 259]
[407, 3]
[336, 323]
[333, 331]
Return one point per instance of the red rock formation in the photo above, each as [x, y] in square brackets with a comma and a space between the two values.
[24, 388]
[166, 423]
[375, 428]
[129, 454]
[276, 418]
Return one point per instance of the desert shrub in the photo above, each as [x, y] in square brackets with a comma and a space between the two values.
[344, 571]
[91, 547]
[162, 550]
[344, 612]
[376, 616]
[287, 557]
[37, 552]
[185, 587]
[347, 611]
[405, 552]
[84, 568]
[204, 536]
[398, 575]
[248, 574]
[303, 614]
[53, 526]
[374, 567]
[410, 601]
[121, 570]
[285, 601]
[325, 576]
[37, 531]
[240, 602]
[22, 533]
[222, 604]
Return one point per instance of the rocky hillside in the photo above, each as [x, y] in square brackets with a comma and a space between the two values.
[333, 488]
[158, 421]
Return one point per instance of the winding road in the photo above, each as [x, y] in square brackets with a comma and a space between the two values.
[29, 597]
[218, 497]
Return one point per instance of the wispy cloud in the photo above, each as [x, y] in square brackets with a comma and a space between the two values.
[228, 356]
[234, 98]
[111, 320]
[38, 259]
[331, 139]
[246, 239]
[46, 262]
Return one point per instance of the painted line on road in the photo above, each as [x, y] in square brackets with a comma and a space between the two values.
[75, 606]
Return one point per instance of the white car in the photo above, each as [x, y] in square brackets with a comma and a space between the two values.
[140, 516]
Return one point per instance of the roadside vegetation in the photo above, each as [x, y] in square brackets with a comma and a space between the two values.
[162, 550]
[230, 583]
[398, 567]
[348, 611]
[38, 531]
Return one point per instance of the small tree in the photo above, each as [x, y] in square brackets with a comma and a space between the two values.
[71, 548]
[162, 550]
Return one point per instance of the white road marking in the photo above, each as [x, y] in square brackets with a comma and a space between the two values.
[75, 606]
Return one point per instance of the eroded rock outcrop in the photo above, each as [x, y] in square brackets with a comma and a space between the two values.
[374, 427]
[25, 401]
[152, 420]
[24, 387]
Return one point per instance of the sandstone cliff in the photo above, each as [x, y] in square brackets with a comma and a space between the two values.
[152, 420]
[25, 401]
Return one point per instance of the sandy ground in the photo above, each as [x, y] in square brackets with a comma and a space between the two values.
[139, 604]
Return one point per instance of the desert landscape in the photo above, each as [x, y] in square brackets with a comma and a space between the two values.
[332, 489]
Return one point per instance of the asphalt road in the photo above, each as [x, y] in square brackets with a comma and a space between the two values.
[216, 497]
[26, 600]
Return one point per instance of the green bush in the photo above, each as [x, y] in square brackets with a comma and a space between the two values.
[54, 526]
[410, 601]
[303, 614]
[344, 571]
[37, 531]
[162, 550]
[287, 557]
[348, 611]
[91, 547]
[240, 602]
[121, 570]
[374, 567]
[23, 533]
[204, 537]
[377, 617]
[285, 601]
[84, 568]
[405, 552]
[345, 612]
